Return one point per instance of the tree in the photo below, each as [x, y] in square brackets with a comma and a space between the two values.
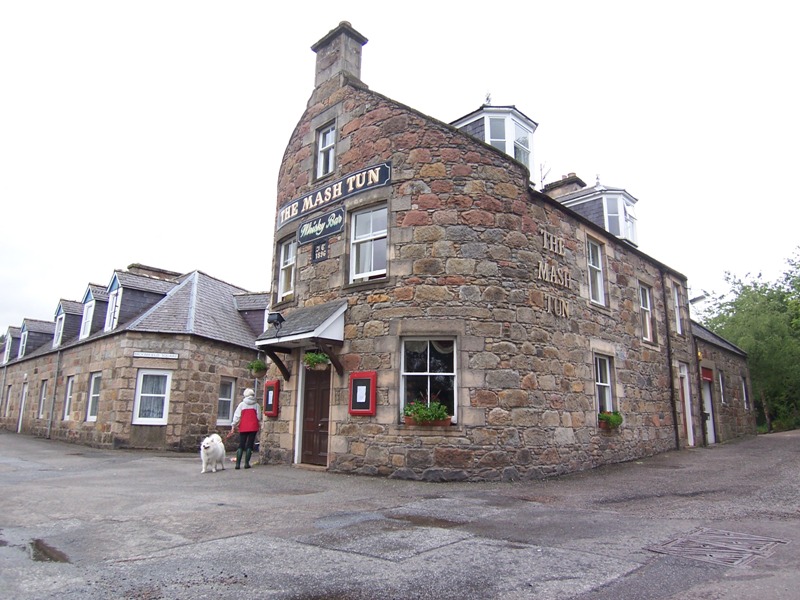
[764, 320]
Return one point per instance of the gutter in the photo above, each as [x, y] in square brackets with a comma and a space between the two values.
[55, 393]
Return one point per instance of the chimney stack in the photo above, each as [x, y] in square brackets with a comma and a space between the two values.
[339, 53]
[566, 185]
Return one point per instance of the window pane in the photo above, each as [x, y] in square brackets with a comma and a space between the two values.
[379, 221]
[416, 388]
[379, 255]
[442, 356]
[497, 129]
[416, 357]
[363, 225]
[151, 407]
[521, 136]
[154, 384]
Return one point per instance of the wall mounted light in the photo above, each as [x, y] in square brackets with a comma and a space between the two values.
[276, 319]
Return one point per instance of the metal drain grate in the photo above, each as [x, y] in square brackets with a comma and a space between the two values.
[719, 547]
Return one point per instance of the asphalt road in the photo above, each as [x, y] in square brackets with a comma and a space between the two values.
[78, 522]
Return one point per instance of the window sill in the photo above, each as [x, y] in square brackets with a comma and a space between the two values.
[366, 285]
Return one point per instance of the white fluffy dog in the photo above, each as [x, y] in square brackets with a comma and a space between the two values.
[212, 453]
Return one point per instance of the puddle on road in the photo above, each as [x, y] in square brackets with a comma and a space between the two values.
[426, 521]
[40, 551]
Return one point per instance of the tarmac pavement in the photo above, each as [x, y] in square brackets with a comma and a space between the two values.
[710, 523]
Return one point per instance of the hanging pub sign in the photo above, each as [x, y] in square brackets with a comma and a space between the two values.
[349, 185]
[321, 227]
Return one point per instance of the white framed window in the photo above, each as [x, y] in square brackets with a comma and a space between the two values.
[509, 135]
[595, 263]
[522, 144]
[42, 400]
[603, 383]
[646, 308]
[497, 132]
[68, 398]
[112, 312]
[368, 244]
[288, 257]
[7, 353]
[8, 401]
[225, 402]
[95, 380]
[151, 405]
[429, 372]
[86, 323]
[745, 395]
[22, 343]
[59, 330]
[722, 387]
[326, 150]
[676, 294]
[620, 217]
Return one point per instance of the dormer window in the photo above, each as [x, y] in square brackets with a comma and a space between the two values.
[611, 208]
[7, 353]
[620, 218]
[59, 330]
[504, 127]
[112, 312]
[22, 343]
[88, 315]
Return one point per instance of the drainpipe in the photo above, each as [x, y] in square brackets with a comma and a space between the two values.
[669, 362]
[700, 400]
[55, 390]
[4, 393]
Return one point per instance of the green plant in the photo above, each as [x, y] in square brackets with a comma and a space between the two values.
[314, 358]
[614, 419]
[257, 366]
[422, 412]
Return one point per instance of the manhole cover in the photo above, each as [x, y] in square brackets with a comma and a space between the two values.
[719, 547]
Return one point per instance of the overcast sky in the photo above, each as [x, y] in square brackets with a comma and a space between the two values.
[152, 131]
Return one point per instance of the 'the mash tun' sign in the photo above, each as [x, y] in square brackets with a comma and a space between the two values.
[349, 185]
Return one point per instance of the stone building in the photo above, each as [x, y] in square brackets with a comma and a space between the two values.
[420, 258]
[155, 359]
[727, 406]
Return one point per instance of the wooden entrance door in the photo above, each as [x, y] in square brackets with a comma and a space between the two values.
[316, 410]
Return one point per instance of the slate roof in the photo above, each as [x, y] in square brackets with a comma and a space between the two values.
[144, 283]
[252, 301]
[98, 292]
[198, 305]
[303, 320]
[14, 332]
[37, 326]
[712, 338]
[71, 307]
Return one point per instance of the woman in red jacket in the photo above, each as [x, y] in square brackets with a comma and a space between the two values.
[248, 418]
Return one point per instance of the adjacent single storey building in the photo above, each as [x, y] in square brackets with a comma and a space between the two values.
[154, 359]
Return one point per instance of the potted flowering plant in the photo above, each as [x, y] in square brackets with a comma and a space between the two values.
[315, 360]
[258, 368]
[609, 419]
[420, 412]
